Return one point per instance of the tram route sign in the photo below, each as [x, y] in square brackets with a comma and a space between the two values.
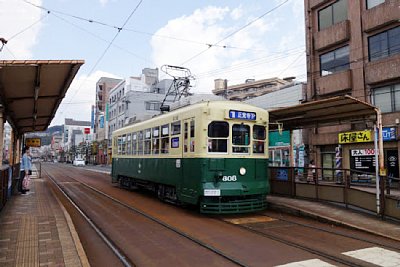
[243, 115]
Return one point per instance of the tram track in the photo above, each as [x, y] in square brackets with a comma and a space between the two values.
[118, 251]
[381, 244]
[248, 248]
[330, 256]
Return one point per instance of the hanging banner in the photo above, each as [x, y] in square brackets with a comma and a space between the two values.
[355, 137]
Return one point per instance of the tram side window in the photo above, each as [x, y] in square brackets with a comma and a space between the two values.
[164, 139]
[176, 128]
[147, 141]
[192, 135]
[128, 144]
[240, 138]
[123, 145]
[140, 143]
[259, 139]
[185, 136]
[156, 140]
[134, 143]
[119, 152]
[218, 133]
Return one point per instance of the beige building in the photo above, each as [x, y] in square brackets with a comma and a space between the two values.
[251, 88]
[353, 47]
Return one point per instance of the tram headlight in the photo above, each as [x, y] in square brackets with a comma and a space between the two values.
[242, 171]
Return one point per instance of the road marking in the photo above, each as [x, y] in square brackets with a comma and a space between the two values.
[377, 256]
[246, 220]
[308, 263]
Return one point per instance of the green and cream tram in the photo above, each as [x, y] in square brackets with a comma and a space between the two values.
[210, 154]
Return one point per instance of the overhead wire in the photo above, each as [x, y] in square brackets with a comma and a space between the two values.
[109, 45]
[135, 31]
[234, 32]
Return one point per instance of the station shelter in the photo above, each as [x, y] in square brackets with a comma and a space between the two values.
[30, 93]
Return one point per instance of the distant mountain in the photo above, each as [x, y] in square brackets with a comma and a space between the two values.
[45, 137]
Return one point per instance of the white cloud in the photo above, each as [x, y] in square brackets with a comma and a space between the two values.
[80, 97]
[103, 2]
[250, 44]
[15, 16]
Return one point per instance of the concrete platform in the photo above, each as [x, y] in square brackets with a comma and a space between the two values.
[35, 230]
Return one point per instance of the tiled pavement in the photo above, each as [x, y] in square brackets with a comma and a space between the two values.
[35, 230]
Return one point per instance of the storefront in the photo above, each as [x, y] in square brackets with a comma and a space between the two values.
[357, 149]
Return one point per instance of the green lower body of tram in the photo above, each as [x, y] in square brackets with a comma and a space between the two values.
[214, 184]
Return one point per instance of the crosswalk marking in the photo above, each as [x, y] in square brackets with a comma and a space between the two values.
[377, 256]
[308, 263]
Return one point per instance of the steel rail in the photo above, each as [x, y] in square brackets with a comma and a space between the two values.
[107, 241]
[296, 245]
[169, 227]
[339, 234]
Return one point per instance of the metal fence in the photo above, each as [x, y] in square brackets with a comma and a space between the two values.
[8, 182]
[348, 187]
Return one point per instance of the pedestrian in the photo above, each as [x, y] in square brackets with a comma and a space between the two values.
[25, 170]
[311, 172]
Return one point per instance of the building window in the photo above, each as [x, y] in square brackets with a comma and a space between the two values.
[384, 44]
[335, 61]
[387, 98]
[373, 3]
[152, 105]
[332, 14]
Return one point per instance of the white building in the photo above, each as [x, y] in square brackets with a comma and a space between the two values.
[73, 128]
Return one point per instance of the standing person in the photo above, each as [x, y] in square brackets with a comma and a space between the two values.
[311, 172]
[25, 169]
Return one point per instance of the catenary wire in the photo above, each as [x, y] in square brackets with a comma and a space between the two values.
[236, 31]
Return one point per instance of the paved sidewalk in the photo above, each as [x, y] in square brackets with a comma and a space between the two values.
[35, 230]
[336, 215]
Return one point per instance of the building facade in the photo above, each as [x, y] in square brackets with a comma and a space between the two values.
[75, 131]
[250, 89]
[353, 48]
[103, 88]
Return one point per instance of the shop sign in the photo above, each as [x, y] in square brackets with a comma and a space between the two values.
[277, 139]
[362, 160]
[389, 133]
[355, 137]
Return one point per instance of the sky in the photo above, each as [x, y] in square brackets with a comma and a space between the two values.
[214, 39]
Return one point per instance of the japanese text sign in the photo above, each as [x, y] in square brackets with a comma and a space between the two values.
[244, 115]
[355, 137]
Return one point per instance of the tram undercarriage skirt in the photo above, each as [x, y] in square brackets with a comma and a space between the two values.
[222, 205]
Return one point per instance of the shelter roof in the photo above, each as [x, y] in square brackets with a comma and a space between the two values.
[331, 111]
[32, 90]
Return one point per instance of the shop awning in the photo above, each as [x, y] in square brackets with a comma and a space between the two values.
[331, 111]
[32, 90]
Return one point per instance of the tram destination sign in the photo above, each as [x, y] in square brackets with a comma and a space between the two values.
[243, 115]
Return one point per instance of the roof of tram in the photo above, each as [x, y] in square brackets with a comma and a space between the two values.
[32, 90]
[331, 111]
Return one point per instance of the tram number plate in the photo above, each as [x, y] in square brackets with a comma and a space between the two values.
[212, 192]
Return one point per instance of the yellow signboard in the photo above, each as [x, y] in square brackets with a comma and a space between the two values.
[33, 142]
[355, 137]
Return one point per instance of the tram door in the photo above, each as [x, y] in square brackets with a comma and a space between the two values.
[189, 163]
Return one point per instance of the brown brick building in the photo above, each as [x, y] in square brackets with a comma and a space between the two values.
[353, 47]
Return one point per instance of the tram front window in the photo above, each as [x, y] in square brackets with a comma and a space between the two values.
[218, 133]
[240, 138]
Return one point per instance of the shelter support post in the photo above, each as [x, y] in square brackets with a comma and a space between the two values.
[382, 172]
[378, 211]
[1, 136]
